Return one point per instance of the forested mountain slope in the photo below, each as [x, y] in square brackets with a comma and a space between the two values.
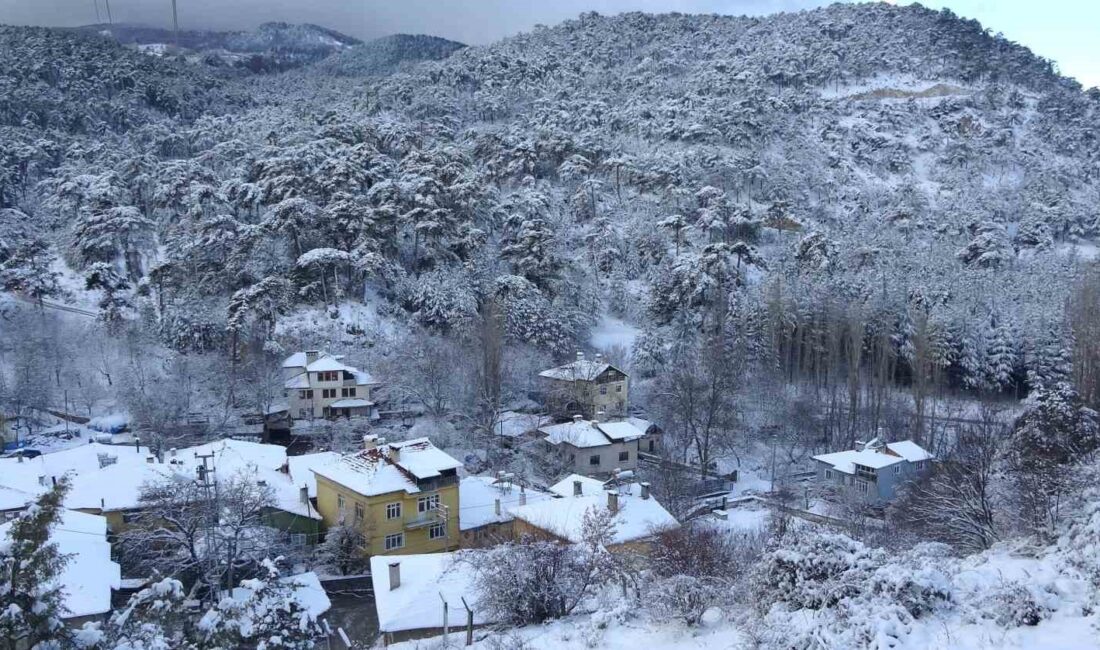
[386, 55]
[894, 175]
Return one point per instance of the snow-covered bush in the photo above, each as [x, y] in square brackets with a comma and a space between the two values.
[685, 597]
[532, 581]
[1014, 604]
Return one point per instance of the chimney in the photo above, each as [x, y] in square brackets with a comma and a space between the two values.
[149, 458]
[312, 355]
[370, 441]
[599, 357]
[137, 445]
[303, 494]
[580, 356]
[102, 503]
[576, 488]
[497, 507]
[395, 454]
[395, 575]
[721, 515]
[522, 497]
[645, 490]
[600, 416]
[613, 501]
[41, 479]
[577, 417]
[20, 456]
[172, 452]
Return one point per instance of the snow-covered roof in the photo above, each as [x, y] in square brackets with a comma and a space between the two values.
[36, 475]
[621, 431]
[875, 457]
[115, 487]
[326, 364]
[306, 591]
[296, 360]
[909, 450]
[591, 433]
[301, 468]
[351, 403]
[362, 377]
[416, 603]
[636, 518]
[581, 369]
[579, 433]
[589, 485]
[299, 381]
[13, 499]
[512, 424]
[390, 468]
[89, 575]
[478, 496]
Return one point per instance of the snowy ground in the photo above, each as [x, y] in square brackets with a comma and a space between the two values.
[611, 332]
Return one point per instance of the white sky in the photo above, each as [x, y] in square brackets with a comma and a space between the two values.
[1067, 31]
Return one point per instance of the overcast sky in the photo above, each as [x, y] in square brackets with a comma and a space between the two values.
[1067, 31]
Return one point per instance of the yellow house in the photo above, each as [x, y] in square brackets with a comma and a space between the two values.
[403, 496]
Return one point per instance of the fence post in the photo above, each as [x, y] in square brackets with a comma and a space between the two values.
[445, 627]
[469, 622]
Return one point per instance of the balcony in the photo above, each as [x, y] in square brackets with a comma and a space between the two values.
[423, 519]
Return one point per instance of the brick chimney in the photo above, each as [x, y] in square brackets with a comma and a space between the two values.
[395, 575]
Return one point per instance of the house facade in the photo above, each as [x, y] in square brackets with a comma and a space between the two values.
[320, 385]
[590, 388]
[593, 447]
[875, 471]
[403, 496]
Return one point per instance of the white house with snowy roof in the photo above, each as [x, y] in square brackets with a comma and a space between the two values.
[592, 388]
[320, 385]
[873, 472]
[410, 592]
[598, 447]
[635, 515]
[485, 507]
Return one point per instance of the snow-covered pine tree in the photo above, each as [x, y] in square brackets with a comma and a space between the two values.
[31, 597]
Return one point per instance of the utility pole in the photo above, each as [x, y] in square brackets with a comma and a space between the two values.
[109, 20]
[176, 23]
[97, 18]
[210, 499]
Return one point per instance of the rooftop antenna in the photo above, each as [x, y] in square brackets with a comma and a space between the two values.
[97, 18]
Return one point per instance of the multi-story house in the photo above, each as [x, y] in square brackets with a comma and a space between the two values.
[320, 385]
[591, 388]
[875, 471]
[403, 496]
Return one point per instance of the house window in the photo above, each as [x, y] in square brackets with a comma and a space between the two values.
[393, 510]
[624, 455]
[651, 443]
[360, 512]
[437, 531]
[305, 394]
[347, 392]
[297, 539]
[828, 475]
[328, 393]
[396, 540]
[427, 504]
[897, 468]
[619, 388]
[862, 486]
[920, 464]
[340, 504]
[603, 390]
[594, 459]
[328, 376]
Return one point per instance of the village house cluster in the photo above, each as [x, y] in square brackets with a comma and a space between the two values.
[409, 500]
